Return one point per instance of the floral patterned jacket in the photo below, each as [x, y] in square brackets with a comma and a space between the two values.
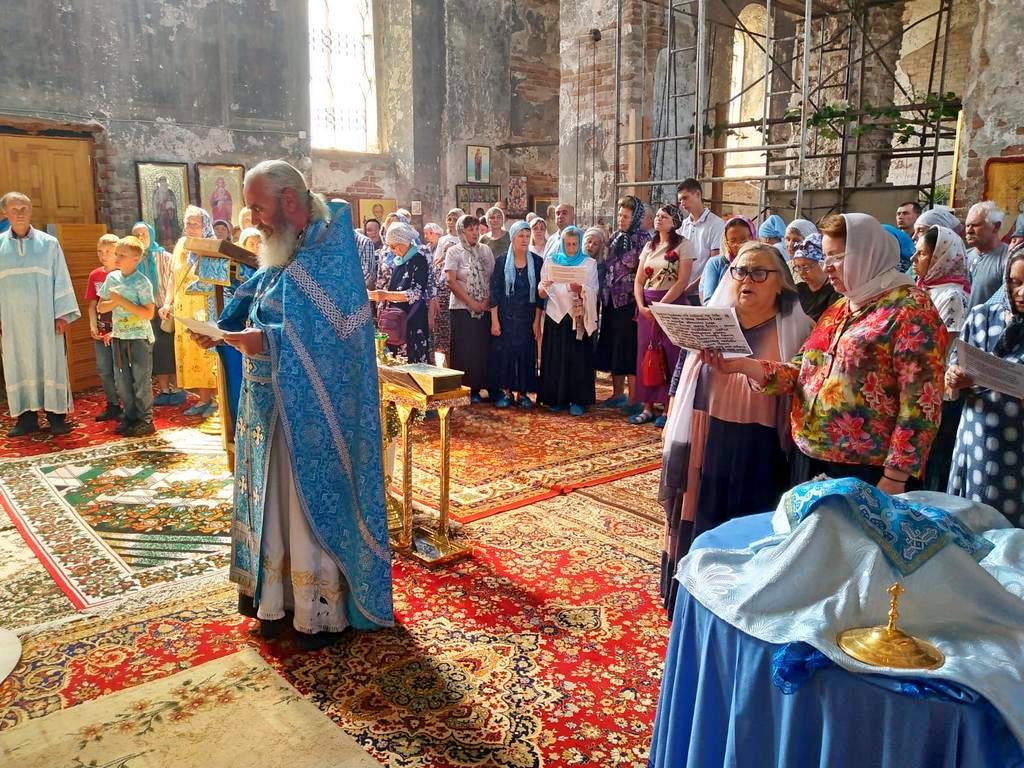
[868, 384]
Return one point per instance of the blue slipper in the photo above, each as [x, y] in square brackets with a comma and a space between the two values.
[199, 409]
[643, 417]
[660, 421]
[618, 401]
[576, 410]
[503, 402]
[474, 398]
[525, 403]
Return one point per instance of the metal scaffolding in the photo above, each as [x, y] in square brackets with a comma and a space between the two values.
[796, 66]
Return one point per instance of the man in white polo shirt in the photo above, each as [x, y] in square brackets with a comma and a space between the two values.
[702, 228]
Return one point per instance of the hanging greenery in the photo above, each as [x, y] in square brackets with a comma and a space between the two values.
[831, 119]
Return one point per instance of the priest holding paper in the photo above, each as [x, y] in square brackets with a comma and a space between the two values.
[309, 539]
[986, 462]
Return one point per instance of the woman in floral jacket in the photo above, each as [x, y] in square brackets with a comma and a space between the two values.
[663, 274]
[867, 384]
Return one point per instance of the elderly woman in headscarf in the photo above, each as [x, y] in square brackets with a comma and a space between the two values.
[538, 235]
[772, 231]
[798, 231]
[940, 264]
[156, 266]
[496, 237]
[662, 276]
[567, 355]
[616, 344]
[938, 216]
[867, 384]
[906, 245]
[815, 291]
[468, 267]
[738, 230]
[727, 446]
[184, 297]
[407, 291]
[516, 311]
[986, 461]
[441, 332]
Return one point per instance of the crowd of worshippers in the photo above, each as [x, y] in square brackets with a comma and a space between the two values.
[132, 297]
[851, 321]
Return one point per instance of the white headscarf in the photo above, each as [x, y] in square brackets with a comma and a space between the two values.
[871, 266]
[400, 232]
[793, 326]
[940, 216]
[803, 226]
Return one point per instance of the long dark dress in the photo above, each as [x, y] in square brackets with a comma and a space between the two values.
[513, 357]
[735, 463]
[567, 366]
[412, 278]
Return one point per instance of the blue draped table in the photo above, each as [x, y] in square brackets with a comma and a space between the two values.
[718, 706]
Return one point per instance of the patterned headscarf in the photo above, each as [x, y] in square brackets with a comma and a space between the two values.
[677, 215]
[728, 223]
[477, 281]
[949, 262]
[623, 241]
[810, 249]
[208, 232]
[510, 263]
[906, 243]
[1013, 335]
[561, 257]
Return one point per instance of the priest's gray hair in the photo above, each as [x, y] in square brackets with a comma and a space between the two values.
[993, 213]
[280, 175]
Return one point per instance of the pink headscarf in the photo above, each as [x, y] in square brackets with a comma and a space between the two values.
[949, 262]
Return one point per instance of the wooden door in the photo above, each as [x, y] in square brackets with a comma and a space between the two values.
[55, 173]
[79, 244]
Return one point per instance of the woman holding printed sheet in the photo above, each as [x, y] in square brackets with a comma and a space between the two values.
[567, 347]
[726, 445]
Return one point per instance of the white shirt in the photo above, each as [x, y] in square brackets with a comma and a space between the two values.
[553, 244]
[560, 298]
[705, 235]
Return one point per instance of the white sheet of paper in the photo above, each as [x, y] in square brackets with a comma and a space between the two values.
[989, 371]
[560, 274]
[702, 328]
[201, 327]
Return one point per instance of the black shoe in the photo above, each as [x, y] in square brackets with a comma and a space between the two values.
[28, 423]
[315, 642]
[112, 412]
[271, 629]
[58, 424]
[140, 429]
[123, 426]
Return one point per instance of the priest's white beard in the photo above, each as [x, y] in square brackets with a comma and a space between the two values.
[277, 250]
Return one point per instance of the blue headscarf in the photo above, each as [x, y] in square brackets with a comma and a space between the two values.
[510, 263]
[906, 244]
[810, 249]
[773, 226]
[148, 265]
[561, 257]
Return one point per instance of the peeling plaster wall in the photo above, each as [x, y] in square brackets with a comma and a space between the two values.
[993, 108]
[177, 81]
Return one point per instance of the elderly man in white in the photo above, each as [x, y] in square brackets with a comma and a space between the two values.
[37, 302]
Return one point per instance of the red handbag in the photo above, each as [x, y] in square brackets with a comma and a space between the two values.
[654, 368]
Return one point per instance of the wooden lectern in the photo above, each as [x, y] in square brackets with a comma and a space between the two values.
[224, 265]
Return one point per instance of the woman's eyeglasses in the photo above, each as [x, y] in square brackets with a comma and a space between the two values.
[758, 274]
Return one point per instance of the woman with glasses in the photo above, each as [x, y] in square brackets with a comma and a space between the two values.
[815, 290]
[662, 275]
[738, 230]
[867, 385]
[727, 446]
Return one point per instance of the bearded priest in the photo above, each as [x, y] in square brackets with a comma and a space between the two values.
[309, 538]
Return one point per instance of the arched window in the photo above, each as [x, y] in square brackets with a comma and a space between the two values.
[343, 81]
[746, 91]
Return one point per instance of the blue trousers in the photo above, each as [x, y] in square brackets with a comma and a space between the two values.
[105, 369]
[133, 365]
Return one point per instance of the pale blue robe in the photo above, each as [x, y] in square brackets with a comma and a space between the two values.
[35, 291]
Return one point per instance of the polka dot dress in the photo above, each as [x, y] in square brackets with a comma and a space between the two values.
[987, 462]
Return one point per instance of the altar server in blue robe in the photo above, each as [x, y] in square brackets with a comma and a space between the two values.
[310, 529]
[37, 303]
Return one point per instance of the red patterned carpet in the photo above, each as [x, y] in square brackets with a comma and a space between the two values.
[86, 430]
[544, 649]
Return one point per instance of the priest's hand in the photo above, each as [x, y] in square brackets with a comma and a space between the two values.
[206, 342]
[60, 325]
[249, 342]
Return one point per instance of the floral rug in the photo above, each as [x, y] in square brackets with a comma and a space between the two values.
[124, 516]
[86, 430]
[544, 648]
[504, 459]
[217, 714]
[636, 494]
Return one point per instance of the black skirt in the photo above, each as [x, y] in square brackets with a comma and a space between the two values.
[616, 345]
[471, 342]
[566, 366]
[163, 351]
